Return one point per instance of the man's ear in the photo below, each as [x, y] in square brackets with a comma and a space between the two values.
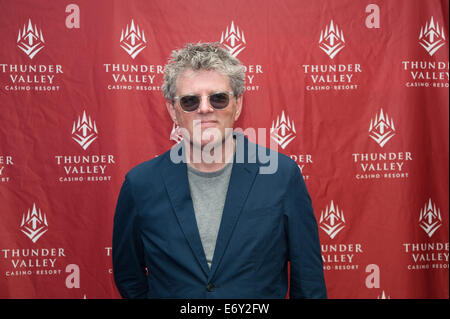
[171, 109]
[238, 107]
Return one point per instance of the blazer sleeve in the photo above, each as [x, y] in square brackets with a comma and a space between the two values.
[127, 248]
[306, 266]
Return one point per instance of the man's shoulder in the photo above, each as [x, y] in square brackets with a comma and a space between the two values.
[262, 155]
[148, 168]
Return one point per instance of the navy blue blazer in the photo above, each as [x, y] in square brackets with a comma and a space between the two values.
[267, 221]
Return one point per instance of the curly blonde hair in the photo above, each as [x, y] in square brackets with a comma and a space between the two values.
[203, 56]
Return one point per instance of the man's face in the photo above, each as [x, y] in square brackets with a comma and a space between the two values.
[207, 119]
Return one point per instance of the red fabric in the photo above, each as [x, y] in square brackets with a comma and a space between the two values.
[285, 59]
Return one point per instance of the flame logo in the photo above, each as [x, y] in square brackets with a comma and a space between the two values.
[84, 132]
[30, 40]
[332, 40]
[383, 296]
[233, 40]
[175, 134]
[432, 37]
[283, 132]
[34, 225]
[332, 221]
[430, 218]
[132, 40]
[382, 129]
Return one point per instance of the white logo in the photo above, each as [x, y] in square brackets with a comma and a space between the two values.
[430, 218]
[383, 296]
[34, 225]
[84, 132]
[382, 129]
[332, 40]
[233, 40]
[431, 37]
[132, 40]
[332, 220]
[283, 132]
[30, 40]
[175, 134]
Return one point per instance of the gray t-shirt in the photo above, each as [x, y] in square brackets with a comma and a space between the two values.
[208, 192]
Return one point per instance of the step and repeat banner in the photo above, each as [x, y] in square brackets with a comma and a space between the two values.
[355, 92]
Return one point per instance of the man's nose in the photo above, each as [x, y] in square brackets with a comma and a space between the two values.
[204, 106]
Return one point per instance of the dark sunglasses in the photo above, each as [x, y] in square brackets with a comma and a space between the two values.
[219, 101]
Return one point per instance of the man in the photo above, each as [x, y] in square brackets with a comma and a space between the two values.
[203, 220]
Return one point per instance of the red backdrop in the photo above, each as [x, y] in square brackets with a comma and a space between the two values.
[355, 91]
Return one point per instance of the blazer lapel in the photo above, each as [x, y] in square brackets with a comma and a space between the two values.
[241, 181]
[177, 185]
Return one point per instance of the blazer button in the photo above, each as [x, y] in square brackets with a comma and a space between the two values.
[210, 287]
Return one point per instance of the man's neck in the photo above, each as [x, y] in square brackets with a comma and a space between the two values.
[198, 158]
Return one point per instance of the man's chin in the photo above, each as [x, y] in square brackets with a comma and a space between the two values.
[209, 138]
[212, 142]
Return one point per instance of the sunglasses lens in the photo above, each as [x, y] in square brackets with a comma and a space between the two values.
[190, 103]
[219, 100]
